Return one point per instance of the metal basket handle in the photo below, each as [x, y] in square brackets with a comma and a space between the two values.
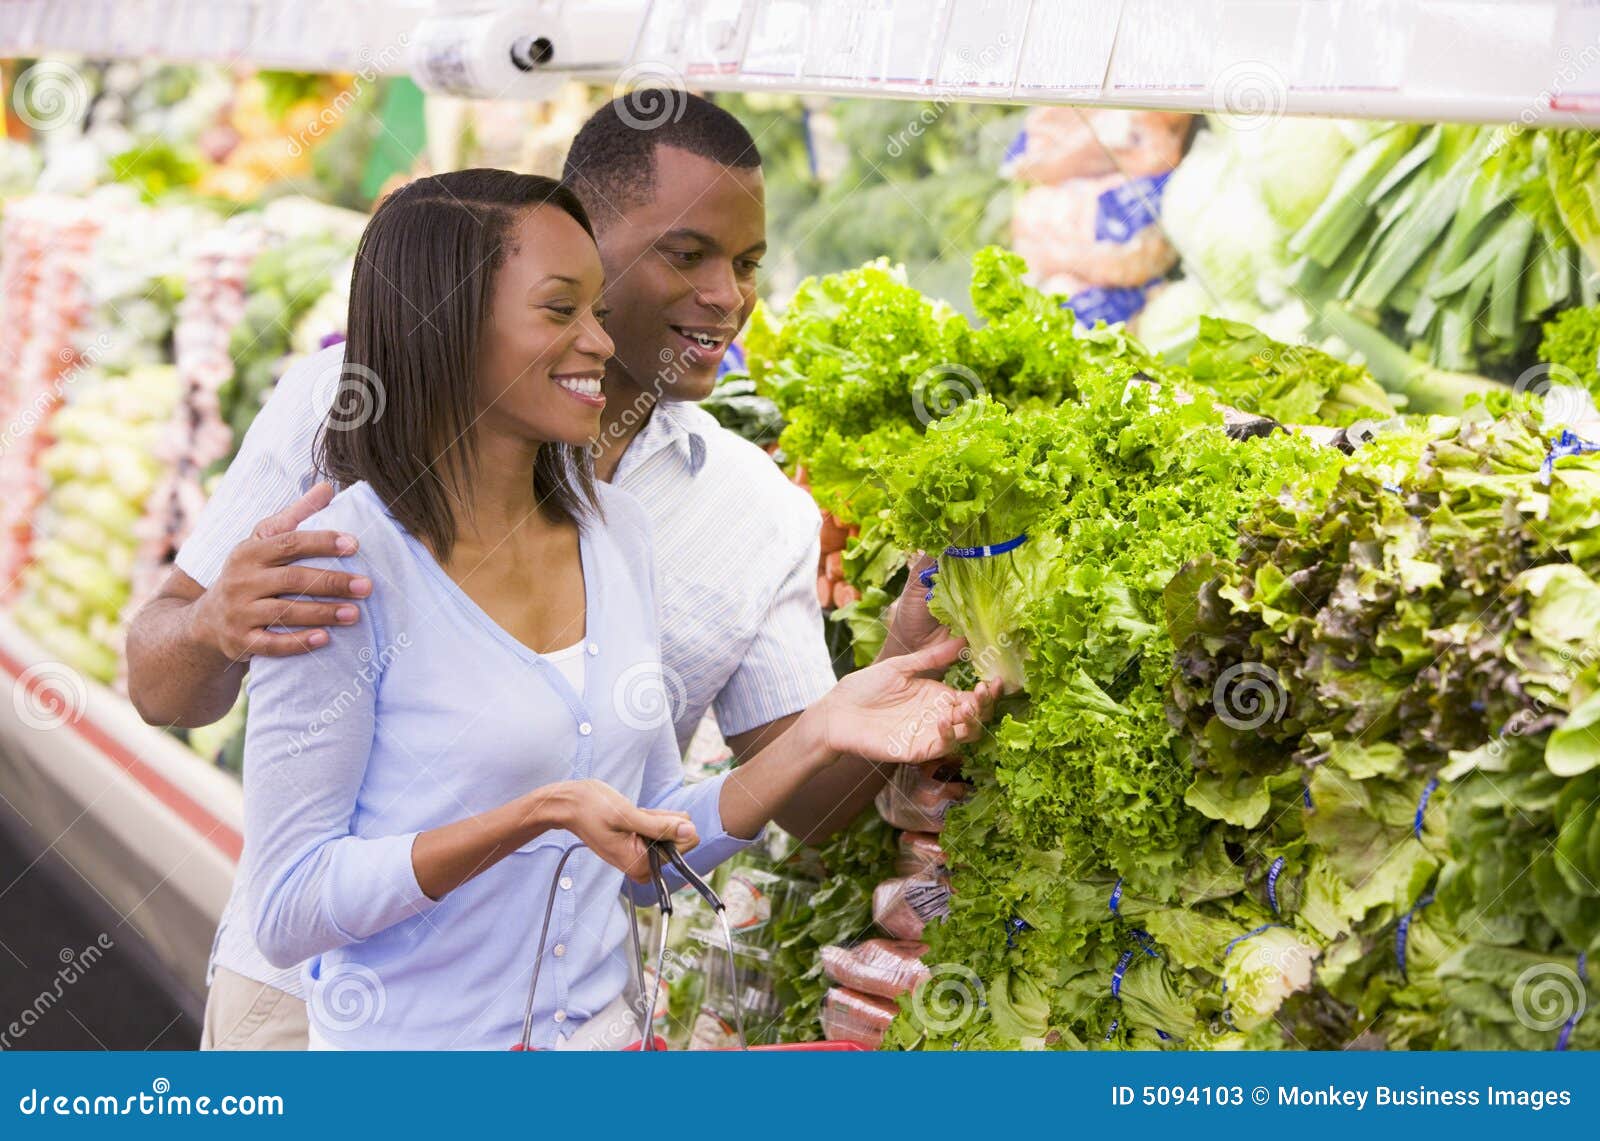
[663, 900]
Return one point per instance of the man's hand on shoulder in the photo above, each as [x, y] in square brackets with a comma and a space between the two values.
[233, 616]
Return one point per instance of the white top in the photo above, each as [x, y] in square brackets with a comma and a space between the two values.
[569, 663]
[736, 567]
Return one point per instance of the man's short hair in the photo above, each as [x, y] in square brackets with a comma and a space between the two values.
[612, 162]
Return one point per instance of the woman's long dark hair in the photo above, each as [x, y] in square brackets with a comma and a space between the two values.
[408, 392]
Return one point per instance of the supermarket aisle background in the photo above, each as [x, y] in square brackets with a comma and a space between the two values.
[117, 1003]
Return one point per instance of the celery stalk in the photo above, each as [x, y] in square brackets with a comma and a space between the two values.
[1509, 264]
[1417, 233]
[1426, 388]
[1348, 204]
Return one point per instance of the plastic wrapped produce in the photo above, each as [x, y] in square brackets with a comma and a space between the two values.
[916, 802]
[884, 967]
[100, 471]
[905, 906]
[1098, 229]
[848, 1016]
[919, 852]
[196, 435]
[46, 243]
[1062, 143]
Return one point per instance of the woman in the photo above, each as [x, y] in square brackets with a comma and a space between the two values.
[410, 788]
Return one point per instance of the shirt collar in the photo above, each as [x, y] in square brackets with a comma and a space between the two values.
[671, 424]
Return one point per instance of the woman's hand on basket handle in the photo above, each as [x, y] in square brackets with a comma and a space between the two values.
[616, 829]
[610, 825]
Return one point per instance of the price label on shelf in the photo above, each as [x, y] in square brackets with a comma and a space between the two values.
[1067, 48]
[860, 44]
[715, 37]
[1165, 47]
[278, 33]
[1352, 45]
[982, 45]
[780, 39]
[1575, 68]
[17, 20]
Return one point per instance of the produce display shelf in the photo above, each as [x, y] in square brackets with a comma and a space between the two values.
[150, 826]
[1534, 62]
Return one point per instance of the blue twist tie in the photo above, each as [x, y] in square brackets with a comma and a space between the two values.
[1392, 487]
[1567, 444]
[1163, 1035]
[1226, 951]
[1403, 932]
[1272, 883]
[1571, 1023]
[1422, 805]
[1247, 935]
[1146, 943]
[1112, 1030]
[925, 577]
[986, 552]
[1016, 926]
[1305, 795]
[1116, 897]
[1116, 975]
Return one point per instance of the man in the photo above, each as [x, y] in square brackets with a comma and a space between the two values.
[678, 209]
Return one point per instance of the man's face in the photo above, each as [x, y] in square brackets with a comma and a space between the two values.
[681, 272]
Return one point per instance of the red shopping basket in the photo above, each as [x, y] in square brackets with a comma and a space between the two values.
[661, 851]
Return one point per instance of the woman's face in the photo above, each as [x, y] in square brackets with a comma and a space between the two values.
[544, 351]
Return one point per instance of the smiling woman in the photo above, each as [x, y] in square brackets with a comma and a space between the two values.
[439, 320]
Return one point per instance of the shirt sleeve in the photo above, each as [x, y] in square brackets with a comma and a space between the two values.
[786, 666]
[310, 884]
[274, 467]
